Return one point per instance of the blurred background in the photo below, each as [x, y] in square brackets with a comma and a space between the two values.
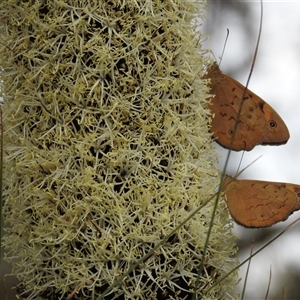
[276, 80]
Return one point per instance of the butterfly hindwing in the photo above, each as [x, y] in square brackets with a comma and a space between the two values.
[257, 204]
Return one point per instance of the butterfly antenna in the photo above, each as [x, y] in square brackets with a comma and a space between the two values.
[226, 39]
[239, 166]
[240, 172]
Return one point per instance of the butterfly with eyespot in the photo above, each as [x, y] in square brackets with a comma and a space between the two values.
[258, 124]
[258, 204]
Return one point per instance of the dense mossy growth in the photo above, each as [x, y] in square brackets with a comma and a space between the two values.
[107, 150]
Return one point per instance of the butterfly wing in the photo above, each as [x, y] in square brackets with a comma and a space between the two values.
[296, 189]
[258, 204]
[258, 122]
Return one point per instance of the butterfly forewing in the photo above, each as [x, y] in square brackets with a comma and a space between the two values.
[258, 123]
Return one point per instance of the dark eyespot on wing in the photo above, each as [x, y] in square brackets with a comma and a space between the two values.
[272, 124]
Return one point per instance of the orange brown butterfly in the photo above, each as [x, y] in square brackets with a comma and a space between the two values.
[257, 204]
[258, 124]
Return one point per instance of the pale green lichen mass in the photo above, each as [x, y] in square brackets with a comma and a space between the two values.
[107, 150]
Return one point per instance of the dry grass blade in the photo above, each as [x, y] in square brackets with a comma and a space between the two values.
[255, 253]
[247, 271]
[269, 284]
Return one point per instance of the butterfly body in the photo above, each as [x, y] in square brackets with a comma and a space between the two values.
[258, 123]
[257, 204]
